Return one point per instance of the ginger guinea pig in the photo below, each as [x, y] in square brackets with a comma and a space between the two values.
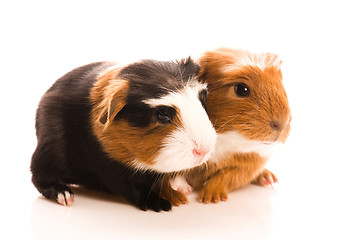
[248, 106]
[118, 129]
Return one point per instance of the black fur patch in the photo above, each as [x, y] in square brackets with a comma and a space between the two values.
[137, 114]
[153, 79]
[149, 79]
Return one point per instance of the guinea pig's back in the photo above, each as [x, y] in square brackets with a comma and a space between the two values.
[63, 125]
[73, 88]
[67, 100]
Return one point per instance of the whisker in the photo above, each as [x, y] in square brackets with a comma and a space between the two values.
[155, 183]
[232, 118]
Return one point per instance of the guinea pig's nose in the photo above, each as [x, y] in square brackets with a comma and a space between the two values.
[275, 125]
[200, 152]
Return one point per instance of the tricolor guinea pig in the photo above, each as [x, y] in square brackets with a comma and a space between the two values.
[118, 129]
[248, 106]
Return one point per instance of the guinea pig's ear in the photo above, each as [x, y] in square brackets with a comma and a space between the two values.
[212, 62]
[115, 103]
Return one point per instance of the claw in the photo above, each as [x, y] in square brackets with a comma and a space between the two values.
[266, 179]
[65, 199]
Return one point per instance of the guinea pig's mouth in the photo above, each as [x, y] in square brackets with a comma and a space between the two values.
[201, 159]
[267, 142]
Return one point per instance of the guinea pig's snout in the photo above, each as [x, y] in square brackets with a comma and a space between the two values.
[200, 152]
[279, 125]
[275, 125]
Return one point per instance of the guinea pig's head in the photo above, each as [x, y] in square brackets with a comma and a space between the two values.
[152, 115]
[247, 99]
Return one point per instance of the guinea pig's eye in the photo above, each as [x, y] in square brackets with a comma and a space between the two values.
[165, 114]
[242, 90]
[203, 96]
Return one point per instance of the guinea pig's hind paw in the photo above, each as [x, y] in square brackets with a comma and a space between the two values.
[164, 205]
[57, 191]
[266, 179]
[65, 198]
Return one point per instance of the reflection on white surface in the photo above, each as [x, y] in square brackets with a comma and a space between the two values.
[95, 215]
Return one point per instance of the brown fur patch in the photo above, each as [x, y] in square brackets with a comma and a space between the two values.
[142, 144]
[251, 116]
[218, 179]
[167, 192]
[101, 96]
[137, 147]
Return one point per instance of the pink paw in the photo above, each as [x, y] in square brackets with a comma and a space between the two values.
[180, 184]
[65, 199]
[266, 179]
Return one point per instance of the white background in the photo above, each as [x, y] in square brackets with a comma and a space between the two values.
[319, 41]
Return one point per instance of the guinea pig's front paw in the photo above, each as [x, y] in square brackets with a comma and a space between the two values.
[180, 184]
[59, 192]
[265, 179]
[213, 195]
[65, 198]
[151, 200]
[176, 198]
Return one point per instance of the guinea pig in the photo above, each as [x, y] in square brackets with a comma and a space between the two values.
[248, 106]
[119, 129]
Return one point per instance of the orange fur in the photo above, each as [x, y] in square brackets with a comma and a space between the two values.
[231, 173]
[250, 116]
[167, 192]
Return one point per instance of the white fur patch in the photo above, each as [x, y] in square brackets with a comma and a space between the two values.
[180, 184]
[189, 93]
[244, 58]
[196, 131]
[232, 142]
